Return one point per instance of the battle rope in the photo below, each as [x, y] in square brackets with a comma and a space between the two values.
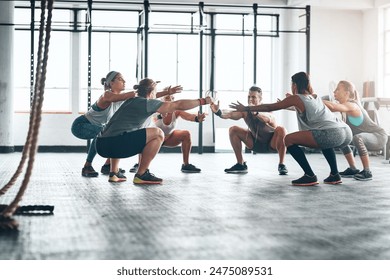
[30, 147]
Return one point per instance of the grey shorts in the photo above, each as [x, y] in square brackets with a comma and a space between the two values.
[333, 137]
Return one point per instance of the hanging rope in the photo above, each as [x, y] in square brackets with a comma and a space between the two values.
[30, 147]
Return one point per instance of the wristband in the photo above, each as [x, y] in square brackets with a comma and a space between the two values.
[219, 113]
[196, 119]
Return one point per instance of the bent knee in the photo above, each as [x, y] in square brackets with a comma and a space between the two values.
[288, 141]
[235, 129]
[155, 133]
[280, 131]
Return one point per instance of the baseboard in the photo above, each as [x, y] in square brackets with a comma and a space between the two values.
[7, 149]
[83, 149]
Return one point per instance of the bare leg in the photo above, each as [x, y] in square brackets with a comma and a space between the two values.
[238, 135]
[277, 143]
[182, 137]
[154, 139]
[351, 160]
[114, 167]
[365, 161]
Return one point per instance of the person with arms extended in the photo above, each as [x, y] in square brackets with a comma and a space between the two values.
[173, 137]
[89, 125]
[367, 135]
[319, 128]
[125, 134]
[262, 136]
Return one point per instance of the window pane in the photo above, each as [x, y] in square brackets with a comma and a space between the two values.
[57, 77]
[56, 96]
[110, 51]
[22, 69]
[264, 67]
[118, 20]
[229, 22]
[172, 21]
[163, 58]
[231, 70]
[188, 62]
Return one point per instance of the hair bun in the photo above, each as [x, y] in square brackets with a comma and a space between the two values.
[103, 81]
[135, 86]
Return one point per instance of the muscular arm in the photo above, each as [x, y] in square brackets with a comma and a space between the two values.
[233, 115]
[228, 115]
[268, 119]
[108, 97]
[169, 91]
[184, 104]
[348, 107]
[289, 101]
[190, 117]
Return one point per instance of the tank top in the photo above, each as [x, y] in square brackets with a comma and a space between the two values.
[98, 116]
[167, 128]
[260, 130]
[316, 115]
[366, 125]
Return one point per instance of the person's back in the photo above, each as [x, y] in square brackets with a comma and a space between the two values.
[316, 114]
[131, 116]
[363, 123]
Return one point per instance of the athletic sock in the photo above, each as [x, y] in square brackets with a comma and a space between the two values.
[330, 156]
[300, 157]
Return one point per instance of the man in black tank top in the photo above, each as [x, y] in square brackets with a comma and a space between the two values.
[262, 135]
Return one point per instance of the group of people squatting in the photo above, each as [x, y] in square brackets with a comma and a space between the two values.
[123, 124]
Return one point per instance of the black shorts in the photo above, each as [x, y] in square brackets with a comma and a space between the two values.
[260, 147]
[122, 146]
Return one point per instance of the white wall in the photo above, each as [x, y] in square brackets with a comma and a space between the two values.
[336, 48]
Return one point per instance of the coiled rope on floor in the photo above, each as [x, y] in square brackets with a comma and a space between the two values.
[30, 147]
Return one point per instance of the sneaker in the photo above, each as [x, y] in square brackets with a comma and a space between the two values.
[116, 177]
[364, 175]
[88, 171]
[237, 168]
[146, 178]
[282, 169]
[305, 180]
[333, 179]
[106, 169]
[134, 169]
[189, 168]
[349, 172]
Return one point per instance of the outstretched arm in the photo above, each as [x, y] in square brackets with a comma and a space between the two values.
[192, 117]
[108, 96]
[283, 104]
[337, 107]
[184, 104]
[170, 90]
[227, 115]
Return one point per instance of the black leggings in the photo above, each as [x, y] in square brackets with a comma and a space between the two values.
[122, 146]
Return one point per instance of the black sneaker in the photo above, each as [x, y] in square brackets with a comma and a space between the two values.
[146, 178]
[305, 180]
[189, 168]
[106, 169]
[116, 177]
[88, 171]
[237, 168]
[282, 169]
[333, 179]
[364, 175]
[134, 169]
[349, 172]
